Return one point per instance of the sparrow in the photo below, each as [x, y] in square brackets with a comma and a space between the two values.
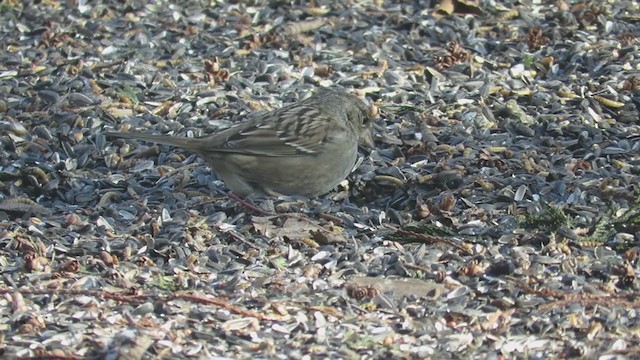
[305, 148]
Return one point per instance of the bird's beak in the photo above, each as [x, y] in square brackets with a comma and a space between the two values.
[366, 140]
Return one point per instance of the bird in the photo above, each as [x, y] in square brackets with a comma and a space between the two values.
[305, 148]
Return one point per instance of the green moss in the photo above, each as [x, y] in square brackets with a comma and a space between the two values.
[549, 218]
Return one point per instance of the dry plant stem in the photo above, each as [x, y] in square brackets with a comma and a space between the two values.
[138, 299]
[330, 217]
[429, 239]
[390, 179]
[566, 299]
[241, 239]
[46, 356]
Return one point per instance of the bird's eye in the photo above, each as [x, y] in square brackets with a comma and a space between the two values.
[360, 117]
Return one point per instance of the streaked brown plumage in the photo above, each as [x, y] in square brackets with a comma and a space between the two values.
[305, 148]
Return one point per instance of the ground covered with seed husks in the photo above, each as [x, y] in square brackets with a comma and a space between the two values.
[497, 217]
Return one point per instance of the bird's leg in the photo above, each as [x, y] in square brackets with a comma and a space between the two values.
[248, 205]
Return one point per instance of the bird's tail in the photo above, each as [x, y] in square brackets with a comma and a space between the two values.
[182, 142]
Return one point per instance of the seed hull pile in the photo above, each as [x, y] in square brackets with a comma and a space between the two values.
[497, 216]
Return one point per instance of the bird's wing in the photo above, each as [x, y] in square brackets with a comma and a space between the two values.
[290, 131]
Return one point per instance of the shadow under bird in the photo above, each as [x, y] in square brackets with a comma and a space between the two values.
[305, 148]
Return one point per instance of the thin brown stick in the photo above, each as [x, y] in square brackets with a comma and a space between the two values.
[566, 299]
[141, 298]
[431, 239]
